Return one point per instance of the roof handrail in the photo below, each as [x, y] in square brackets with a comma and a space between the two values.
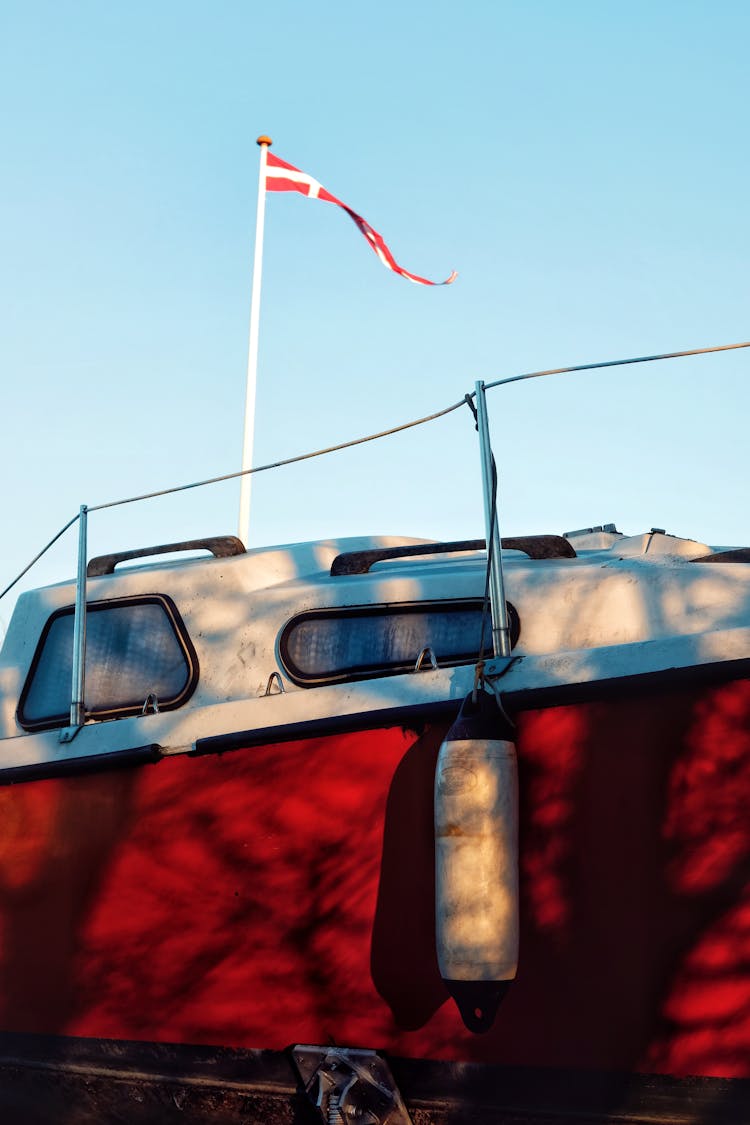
[220, 546]
[731, 555]
[535, 546]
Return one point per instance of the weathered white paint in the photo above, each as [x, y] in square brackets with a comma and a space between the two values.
[619, 611]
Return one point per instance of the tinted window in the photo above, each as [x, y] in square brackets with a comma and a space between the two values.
[329, 645]
[133, 648]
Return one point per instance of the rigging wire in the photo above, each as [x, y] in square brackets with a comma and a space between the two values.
[376, 436]
[280, 464]
[234, 476]
[488, 572]
[416, 422]
[43, 551]
[469, 400]
[614, 363]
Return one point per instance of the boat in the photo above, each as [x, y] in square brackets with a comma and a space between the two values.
[228, 775]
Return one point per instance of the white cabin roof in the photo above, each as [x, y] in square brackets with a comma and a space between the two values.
[617, 593]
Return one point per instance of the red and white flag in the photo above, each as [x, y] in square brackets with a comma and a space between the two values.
[281, 176]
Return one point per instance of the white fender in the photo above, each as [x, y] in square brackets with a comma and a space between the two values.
[476, 860]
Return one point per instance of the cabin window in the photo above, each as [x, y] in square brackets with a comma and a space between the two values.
[329, 646]
[135, 648]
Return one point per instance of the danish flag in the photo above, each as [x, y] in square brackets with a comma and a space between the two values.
[281, 176]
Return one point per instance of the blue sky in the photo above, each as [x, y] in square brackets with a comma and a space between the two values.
[584, 167]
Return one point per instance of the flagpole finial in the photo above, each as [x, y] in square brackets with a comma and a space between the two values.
[264, 140]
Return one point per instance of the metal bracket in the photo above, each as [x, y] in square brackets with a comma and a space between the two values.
[350, 1085]
[67, 734]
[426, 654]
[276, 679]
[151, 703]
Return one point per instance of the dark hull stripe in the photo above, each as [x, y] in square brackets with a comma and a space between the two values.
[45, 1080]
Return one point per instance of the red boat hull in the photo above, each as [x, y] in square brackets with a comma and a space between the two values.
[285, 893]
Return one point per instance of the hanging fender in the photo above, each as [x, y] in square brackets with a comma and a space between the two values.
[476, 860]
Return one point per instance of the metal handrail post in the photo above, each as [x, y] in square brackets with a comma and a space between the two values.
[77, 707]
[498, 610]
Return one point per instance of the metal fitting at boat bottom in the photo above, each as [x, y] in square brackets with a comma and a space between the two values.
[348, 1085]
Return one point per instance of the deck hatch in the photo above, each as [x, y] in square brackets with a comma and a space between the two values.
[135, 648]
[358, 642]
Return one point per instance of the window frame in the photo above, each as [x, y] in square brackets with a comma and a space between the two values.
[393, 609]
[181, 635]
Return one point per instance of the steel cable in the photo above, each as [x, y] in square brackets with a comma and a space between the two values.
[376, 436]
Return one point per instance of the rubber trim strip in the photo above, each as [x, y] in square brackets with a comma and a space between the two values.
[411, 718]
[526, 699]
[72, 767]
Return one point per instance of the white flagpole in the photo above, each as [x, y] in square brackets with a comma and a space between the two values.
[252, 349]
